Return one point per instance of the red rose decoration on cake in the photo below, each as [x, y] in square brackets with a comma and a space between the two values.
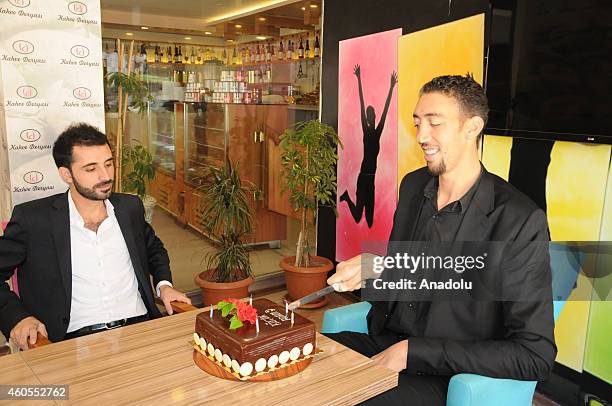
[239, 312]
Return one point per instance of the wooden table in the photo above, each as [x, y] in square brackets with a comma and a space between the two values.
[151, 363]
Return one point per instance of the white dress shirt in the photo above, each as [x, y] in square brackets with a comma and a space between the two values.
[104, 285]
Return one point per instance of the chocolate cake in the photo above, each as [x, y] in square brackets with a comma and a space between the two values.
[248, 352]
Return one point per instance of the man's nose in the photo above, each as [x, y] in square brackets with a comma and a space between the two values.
[422, 136]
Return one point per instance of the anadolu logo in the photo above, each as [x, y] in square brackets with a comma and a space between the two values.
[81, 93]
[78, 8]
[23, 47]
[20, 3]
[30, 135]
[27, 92]
[79, 51]
[33, 177]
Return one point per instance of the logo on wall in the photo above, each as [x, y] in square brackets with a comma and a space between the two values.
[30, 135]
[23, 47]
[33, 177]
[79, 51]
[81, 93]
[78, 8]
[27, 92]
[20, 3]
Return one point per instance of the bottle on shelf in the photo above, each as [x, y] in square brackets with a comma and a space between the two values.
[176, 55]
[192, 57]
[281, 51]
[257, 55]
[234, 57]
[272, 56]
[170, 58]
[317, 49]
[268, 52]
[157, 54]
[301, 49]
[307, 51]
[289, 50]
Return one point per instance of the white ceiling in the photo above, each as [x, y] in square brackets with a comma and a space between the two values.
[206, 11]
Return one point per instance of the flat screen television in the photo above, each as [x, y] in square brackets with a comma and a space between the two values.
[549, 69]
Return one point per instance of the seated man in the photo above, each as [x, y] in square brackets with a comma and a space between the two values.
[85, 257]
[453, 199]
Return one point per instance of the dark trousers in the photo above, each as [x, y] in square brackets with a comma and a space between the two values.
[412, 390]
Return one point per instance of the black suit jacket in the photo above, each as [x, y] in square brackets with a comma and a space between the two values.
[498, 338]
[37, 240]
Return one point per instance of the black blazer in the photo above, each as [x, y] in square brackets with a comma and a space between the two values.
[499, 338]
[37, 240]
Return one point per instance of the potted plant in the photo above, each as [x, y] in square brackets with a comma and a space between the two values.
[226, 208]
[309, 156]
[138, 170]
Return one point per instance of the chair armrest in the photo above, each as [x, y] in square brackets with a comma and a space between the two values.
[346, 318]
[180, 307]
[477, 390]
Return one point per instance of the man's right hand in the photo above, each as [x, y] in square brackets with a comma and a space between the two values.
[351, 273]
[26, 331]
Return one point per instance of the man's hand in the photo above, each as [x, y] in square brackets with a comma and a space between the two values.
[168, 294]
[350, 274]
[393, 79]
[394, 357]
[26, 331]
[357, 70]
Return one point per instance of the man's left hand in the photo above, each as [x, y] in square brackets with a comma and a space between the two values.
[394, 357]
[168, 294]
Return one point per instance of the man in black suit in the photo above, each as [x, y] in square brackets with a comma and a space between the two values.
[85, 256]
[429, 338]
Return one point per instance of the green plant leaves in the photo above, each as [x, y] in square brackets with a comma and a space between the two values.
[228, 308]
[138, 168]
[235, 323]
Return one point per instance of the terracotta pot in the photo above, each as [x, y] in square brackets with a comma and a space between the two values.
[213, 292]
[302, 281]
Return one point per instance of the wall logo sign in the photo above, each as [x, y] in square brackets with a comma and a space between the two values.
[78, 8]
[30, 135]
[23, 47]
[27, 92]
[20, 3]
[81, 93]
[79, 51]
[33, 177]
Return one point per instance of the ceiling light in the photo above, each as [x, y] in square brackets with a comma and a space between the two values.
[304, 8]
[238, 26]
[207, 33]
[187, 37]
[144, 28]
[129, 34]
[229, 40]
[261, 37]
[262, 19]
[313, 6]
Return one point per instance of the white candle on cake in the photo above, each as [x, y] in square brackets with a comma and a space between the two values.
[211, 311]
[286, 307]
[292, 318]
[257, 325]
[251, 300]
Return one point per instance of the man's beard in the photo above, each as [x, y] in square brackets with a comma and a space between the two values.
[437, 170]
[91, 193]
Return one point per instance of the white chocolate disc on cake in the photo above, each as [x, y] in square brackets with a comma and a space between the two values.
[283, 357]
[203, 344]
[246, 369]
[196, 338]
[235, 366]
[260, 365]
[211, 349]
[294, 354]
[307, 349]
[272, 361]
[218, 355]
[227, 361]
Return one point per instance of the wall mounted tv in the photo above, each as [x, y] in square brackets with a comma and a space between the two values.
[549, 69]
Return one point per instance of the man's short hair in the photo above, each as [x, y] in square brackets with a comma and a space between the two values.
[465, 90]
[81, 134]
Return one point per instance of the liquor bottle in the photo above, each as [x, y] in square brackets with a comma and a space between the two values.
[281, 51]
[272, 56]
[192, 57]
[316, 47]
[289, 51]
[301, 49]
[234, 57]
[257, 55]
[307, 52]
[224, 57]
[268, 52]
[253, 56]
[157, 55]
[170, 57]
[207, 56]
[176, 55]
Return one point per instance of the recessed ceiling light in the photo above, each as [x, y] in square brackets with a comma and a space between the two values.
[262, 19]
[207, 33]
[313, 6]
[238, 26]
[187, 37]
[144, 28]
[129, 34]
[229, 40]
[304, 8]
[261, 37]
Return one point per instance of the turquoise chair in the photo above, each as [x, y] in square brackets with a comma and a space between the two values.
[463, 389]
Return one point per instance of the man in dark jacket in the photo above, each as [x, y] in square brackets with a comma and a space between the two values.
[507, 334]
[85, 257]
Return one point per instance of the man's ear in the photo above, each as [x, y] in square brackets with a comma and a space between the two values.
[475, 125]
[65, 174]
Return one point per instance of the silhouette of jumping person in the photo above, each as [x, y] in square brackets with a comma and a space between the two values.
[371, 148]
